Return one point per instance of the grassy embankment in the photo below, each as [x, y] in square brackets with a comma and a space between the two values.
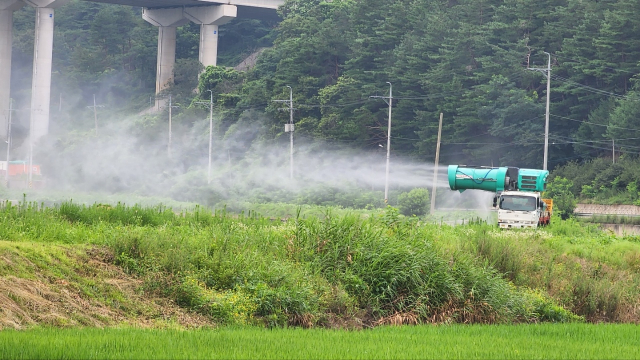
[542, 341]
[342, 271]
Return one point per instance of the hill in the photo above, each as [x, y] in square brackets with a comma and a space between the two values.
[78, 286]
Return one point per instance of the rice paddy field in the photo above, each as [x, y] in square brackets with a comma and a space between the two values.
[116, 281]
[543, 341]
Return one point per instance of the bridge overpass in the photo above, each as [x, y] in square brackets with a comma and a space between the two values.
[167, 15]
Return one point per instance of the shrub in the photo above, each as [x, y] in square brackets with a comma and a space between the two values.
[564, 202]
[414, 202]
[545, 308]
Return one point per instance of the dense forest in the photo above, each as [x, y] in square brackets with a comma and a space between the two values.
[472, 60]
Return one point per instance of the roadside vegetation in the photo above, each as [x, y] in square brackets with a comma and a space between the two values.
[338, 271]
[601, 181]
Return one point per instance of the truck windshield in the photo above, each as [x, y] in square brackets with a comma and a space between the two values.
[517, 203]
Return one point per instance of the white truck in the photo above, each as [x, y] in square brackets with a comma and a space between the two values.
[522, 209]
[518, 192]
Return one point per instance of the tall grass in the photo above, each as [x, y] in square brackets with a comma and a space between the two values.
[590, 272]
[348, 270]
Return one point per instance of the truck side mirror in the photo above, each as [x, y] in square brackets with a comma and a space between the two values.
[495, 201]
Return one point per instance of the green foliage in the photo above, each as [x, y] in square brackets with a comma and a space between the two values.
[463, 59]
[388, 268]
[547, 309]
[306, 271]
[602, 181]
[219, 79]
[231, 307]
[564, 202]
[119, 214]
[414, 202]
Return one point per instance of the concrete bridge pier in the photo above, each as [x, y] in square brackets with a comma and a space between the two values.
[7, 7]
[167, 20]
[209, 18]
[42, 62]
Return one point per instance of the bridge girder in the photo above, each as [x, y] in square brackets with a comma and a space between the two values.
[152, 4]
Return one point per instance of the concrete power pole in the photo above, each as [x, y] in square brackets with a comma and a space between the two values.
[170, 113]
[290, 128]
[210, 136]
[435, 168]
[546, 121]
[547, 73]
[6, 174]
[31, 134]
[171, 106]
[95, 112]
[210, 104]
[386, 178]
[290, 132]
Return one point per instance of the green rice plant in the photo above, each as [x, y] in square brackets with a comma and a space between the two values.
[539, 341]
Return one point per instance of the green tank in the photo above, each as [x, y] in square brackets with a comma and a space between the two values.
[496, 179]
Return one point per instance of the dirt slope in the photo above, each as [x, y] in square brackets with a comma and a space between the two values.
[53, 285]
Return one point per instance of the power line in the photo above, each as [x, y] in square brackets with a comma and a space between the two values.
[590, 123]
[603, 148]
[593, 89]
[599, 141]
[585, 143]
[590, 61]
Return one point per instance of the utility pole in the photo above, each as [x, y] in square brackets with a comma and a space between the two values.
[6, 174]
[290, 128]
[95, 113]
[435, 168]
[30, 148]
[390, 102]
[547, 73]
[169, 145]
[210, 104]
[170, 116]
[290, 131]
[613, 147]
[30, 177]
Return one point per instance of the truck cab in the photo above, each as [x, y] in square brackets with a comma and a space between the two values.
[521, 209]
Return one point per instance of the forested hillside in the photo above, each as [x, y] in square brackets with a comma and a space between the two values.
[467, 59]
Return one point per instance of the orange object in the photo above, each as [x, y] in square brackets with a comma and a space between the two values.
[549, 203]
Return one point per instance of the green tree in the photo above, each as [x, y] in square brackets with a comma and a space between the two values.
[564, 202]
[414, 202]
[624, 123]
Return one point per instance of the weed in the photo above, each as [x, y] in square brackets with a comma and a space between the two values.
[383, 268]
